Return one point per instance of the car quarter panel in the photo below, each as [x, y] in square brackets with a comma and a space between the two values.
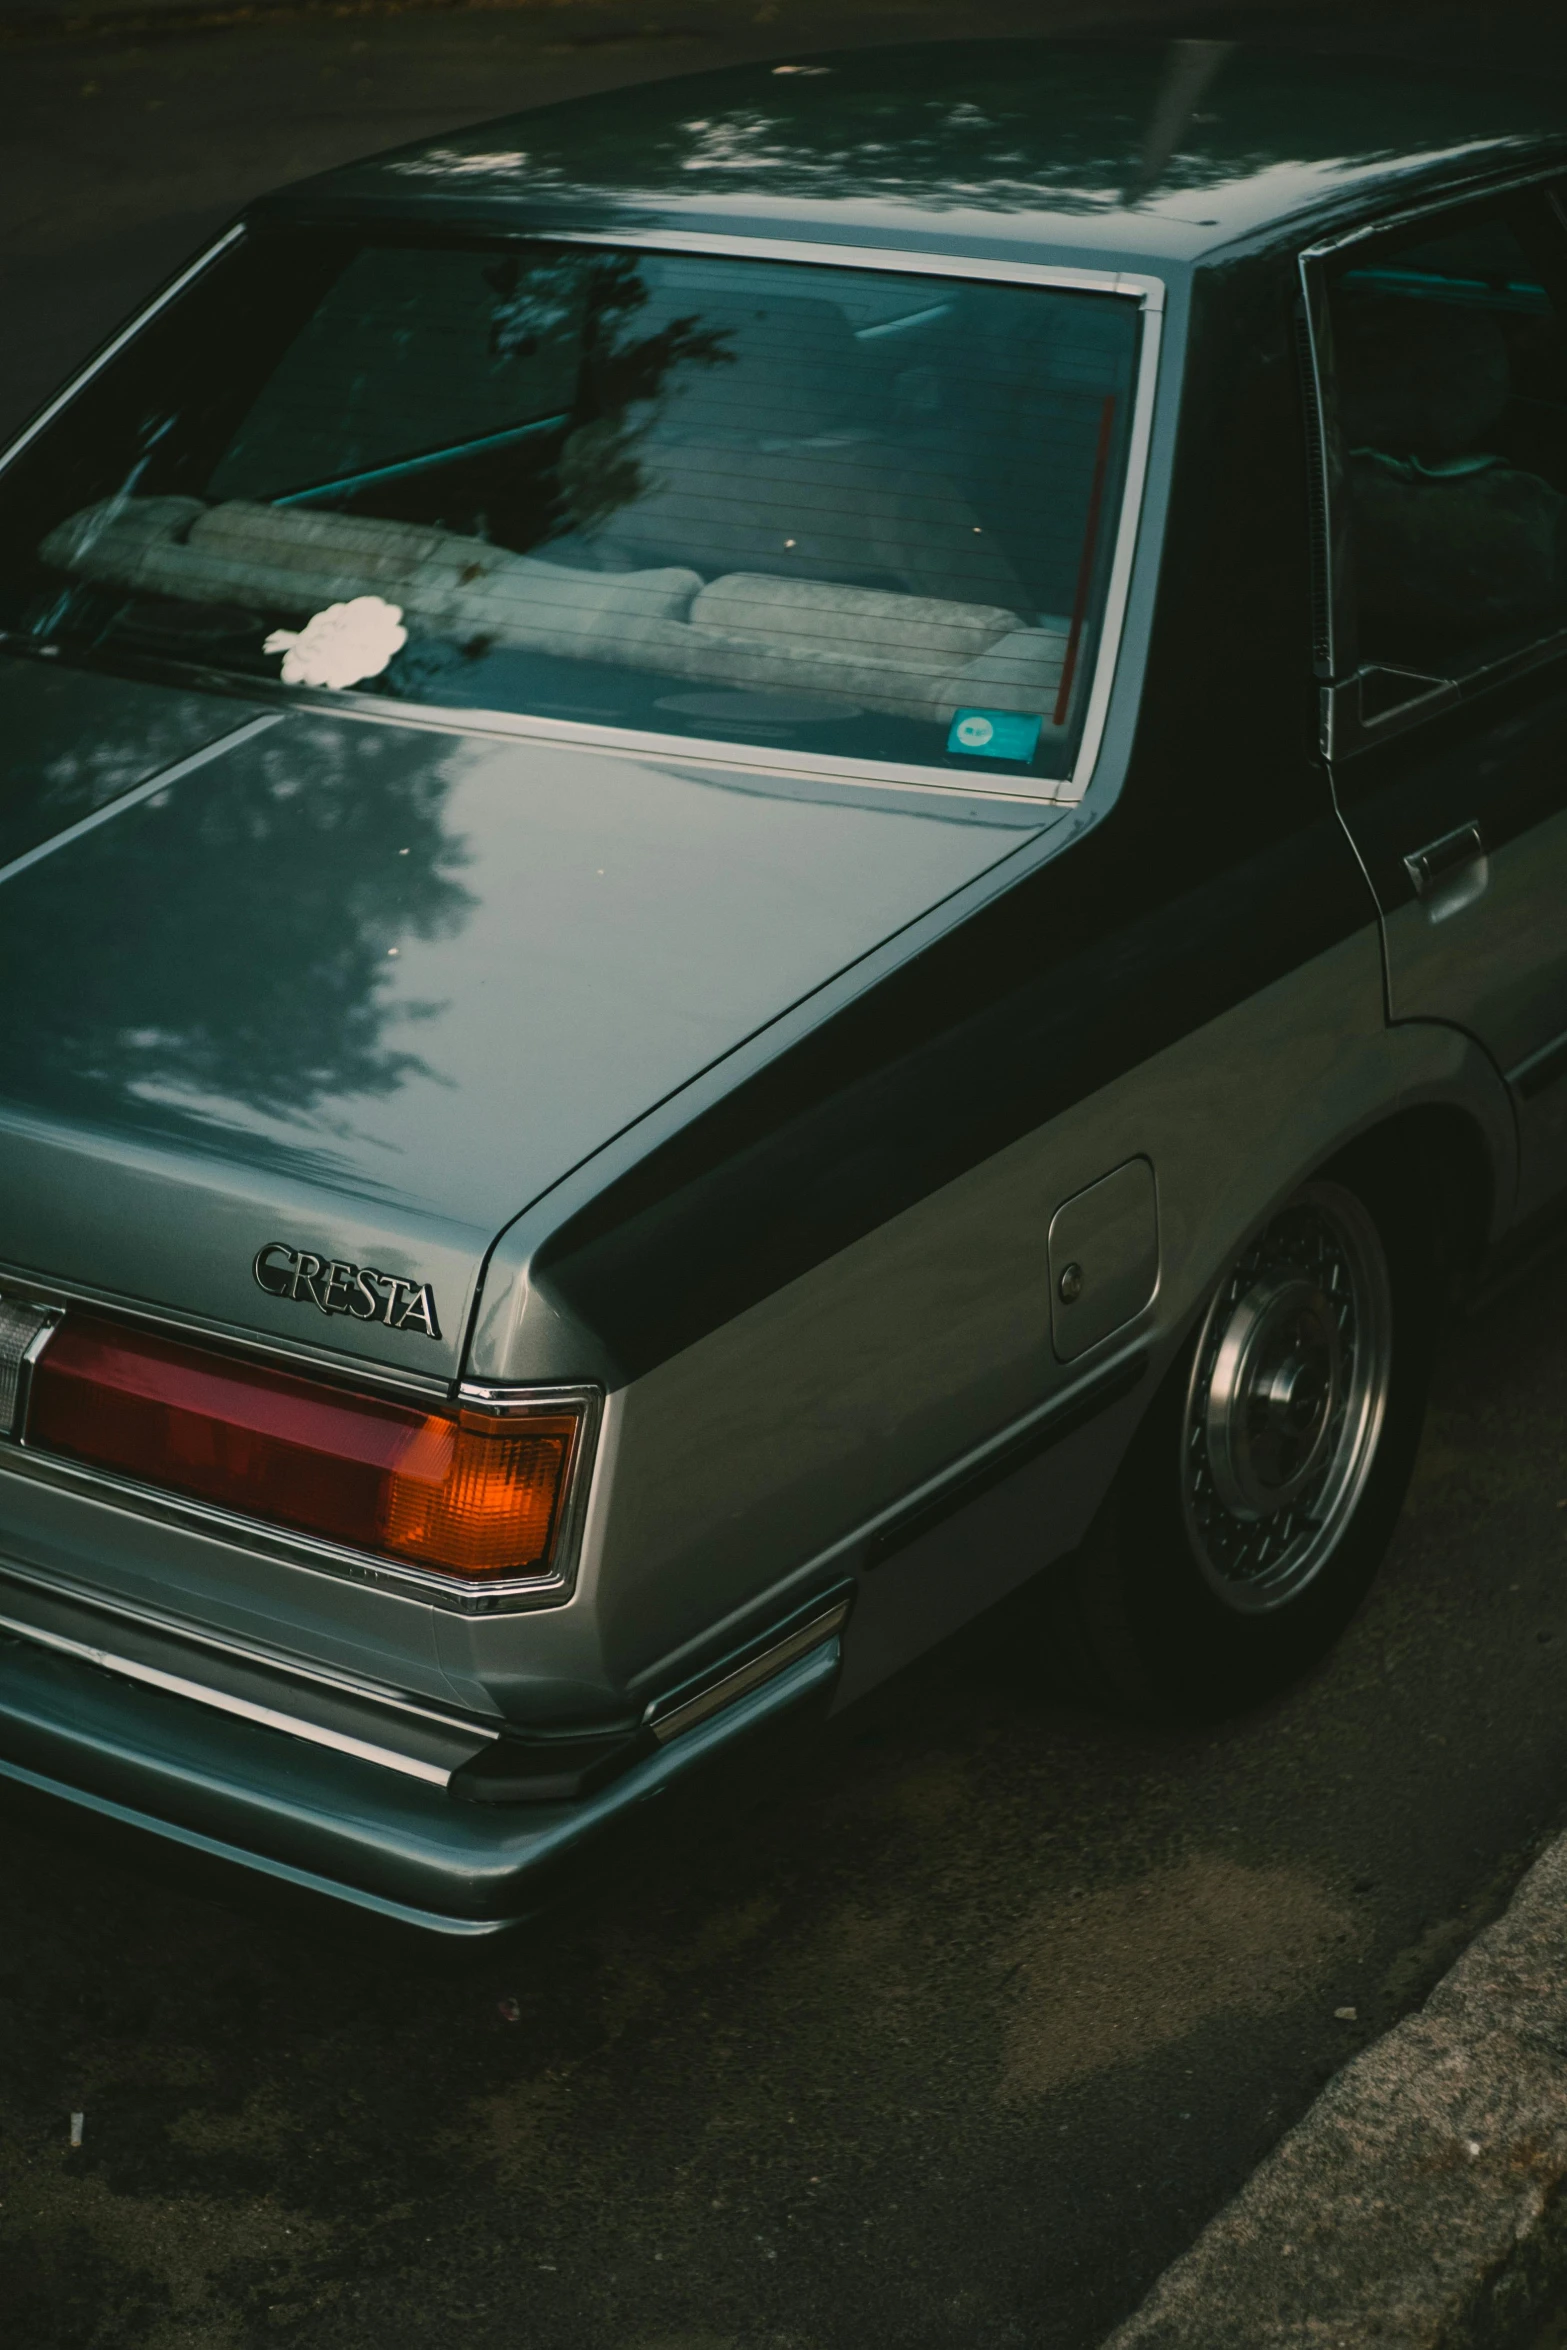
[833, 1283]
[761, 1455]
[207, 1001]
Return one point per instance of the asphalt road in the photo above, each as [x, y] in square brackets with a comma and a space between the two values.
[965, 2035]
[957, 2042]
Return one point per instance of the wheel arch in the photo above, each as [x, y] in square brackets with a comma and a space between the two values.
[1443, 1148]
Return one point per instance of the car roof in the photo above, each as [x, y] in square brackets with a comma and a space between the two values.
[1106, 152]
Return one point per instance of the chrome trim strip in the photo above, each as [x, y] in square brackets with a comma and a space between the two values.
[1323, 490]
[242, 1708]
[363, 1373]
[902, 260]
[621, 742]
[24, 1332]
[672, 750]
[1475, 191]
[117, 343]
[1438, 862]
[1342, 728]
[139, 792]
[1119, 586]
[506, 1400]
[1147, 292]
[685, 1715]
[533, 1845]
[32, 1354]
[327, 1677]
[1544, 1068]
[1061, 1416]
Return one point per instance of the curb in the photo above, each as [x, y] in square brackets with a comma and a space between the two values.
[1419, 2204]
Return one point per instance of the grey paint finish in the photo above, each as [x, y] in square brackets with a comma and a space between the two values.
[926, 1340]
[330, 1821]
[414, 1741]
[72, 741]
[1492, 956]
[1103, 1248]
[980, 147]
[1495, 961]
[175, 1230]
[178, 1576]
[369, 990]
[749, 1459]
[974, 1559]
[931, 1336]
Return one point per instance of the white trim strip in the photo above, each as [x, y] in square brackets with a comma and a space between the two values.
[141, 791]
[1112, 621]
[736, 245]
[170, 1628]
[111, 349]
[244, 1708]
[686, 1714]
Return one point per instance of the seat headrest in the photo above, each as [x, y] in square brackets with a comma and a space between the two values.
[1418, 378]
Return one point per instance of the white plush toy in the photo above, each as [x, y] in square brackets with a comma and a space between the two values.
[342, 644]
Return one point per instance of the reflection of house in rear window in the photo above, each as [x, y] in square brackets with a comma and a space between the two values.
[830, 509]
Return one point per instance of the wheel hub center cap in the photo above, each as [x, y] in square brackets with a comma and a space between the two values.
[1277, 1381]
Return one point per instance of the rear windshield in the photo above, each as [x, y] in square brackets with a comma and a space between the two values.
[865, 513]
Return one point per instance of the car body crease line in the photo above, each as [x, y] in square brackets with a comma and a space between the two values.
[138, 792]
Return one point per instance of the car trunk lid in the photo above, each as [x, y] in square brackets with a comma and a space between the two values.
[365, 990]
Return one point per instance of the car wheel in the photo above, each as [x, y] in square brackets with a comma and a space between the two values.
[1260, 1492]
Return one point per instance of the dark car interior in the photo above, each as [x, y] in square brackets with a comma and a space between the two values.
[1452, 385]
[873, 497]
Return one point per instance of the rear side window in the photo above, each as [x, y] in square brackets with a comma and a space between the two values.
[1451, 371]
[865, 513]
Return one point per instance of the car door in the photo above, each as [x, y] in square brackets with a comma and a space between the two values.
[1439, 348]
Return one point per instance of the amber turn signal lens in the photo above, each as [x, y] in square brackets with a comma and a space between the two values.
[475, 1500]
[460, 1495]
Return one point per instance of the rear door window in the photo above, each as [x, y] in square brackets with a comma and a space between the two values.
[1451, 380]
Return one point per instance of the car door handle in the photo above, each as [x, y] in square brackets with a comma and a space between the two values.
[1440, 860]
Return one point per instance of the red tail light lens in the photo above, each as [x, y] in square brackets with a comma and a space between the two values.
[458, 1493]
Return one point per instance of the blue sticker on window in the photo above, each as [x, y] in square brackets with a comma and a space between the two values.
[994, 734]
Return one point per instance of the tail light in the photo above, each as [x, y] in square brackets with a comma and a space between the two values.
[468, 1494]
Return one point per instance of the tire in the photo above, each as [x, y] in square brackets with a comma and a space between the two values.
[1261, 1490]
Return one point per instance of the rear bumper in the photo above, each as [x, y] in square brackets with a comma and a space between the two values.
[237, 1791]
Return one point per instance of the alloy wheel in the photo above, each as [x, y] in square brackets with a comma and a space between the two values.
[1287, 1399]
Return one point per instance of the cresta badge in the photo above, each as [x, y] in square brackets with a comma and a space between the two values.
[339, 1288]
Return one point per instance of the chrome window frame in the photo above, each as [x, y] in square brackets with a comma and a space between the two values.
[1147, 292]
[1343, 726]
